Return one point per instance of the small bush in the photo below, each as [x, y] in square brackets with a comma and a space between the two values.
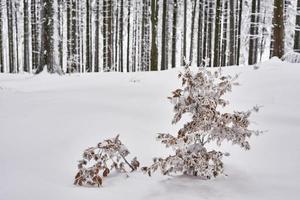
[200, 97]
[99, 161]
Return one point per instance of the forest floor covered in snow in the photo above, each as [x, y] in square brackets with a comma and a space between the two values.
[46, 121]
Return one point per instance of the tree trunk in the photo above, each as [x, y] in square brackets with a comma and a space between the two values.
[192, 31]
[217, 34]
[128, 37]
[183, 59]
[205, 42]
[209, 34]
[1, 47]
[297, 30]
[278, 30]
[239, 33]
[46, 49]
[224, 40]
[200, 33]
[252, 54]
[121, 24]
[232, 31]
[164, 50]
[97, 37]
[174, 32]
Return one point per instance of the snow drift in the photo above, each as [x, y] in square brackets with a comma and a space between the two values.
[47, 120]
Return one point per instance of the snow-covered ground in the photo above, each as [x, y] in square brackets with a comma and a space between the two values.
[46, 121]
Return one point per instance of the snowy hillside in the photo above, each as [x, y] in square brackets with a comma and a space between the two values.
[46, 121]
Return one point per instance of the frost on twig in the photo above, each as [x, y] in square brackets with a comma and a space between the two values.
[99, 161]
[201, 97]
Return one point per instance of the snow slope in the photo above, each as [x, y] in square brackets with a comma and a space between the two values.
[46, 121]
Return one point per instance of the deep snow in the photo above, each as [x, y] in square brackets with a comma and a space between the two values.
[46, 121]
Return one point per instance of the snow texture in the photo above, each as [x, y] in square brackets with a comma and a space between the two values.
[47, 120]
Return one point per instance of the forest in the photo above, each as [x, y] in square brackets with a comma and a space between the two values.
[201, 101]
[67, 36]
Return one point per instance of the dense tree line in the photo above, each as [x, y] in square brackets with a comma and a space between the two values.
[65, 36]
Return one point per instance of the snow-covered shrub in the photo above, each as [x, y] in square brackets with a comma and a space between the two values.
[201, 97]
[106, 156]
[292, 57]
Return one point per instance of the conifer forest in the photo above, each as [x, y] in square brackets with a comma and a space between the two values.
[68, 36]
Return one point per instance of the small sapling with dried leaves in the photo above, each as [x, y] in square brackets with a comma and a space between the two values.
[201, 97]
[99, 161]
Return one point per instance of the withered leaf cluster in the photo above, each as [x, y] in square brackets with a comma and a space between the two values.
[99, 161]
[201, 98]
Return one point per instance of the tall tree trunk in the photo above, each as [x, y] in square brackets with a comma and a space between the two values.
[278, 30]
[74, 33]
[252, 54]
[164, 50]
[145, 54]
[107, 35]
[239, 33]
[11, 37]
[116, 35]
[154, 50]
[224, 40]
[46, 42]
[97, 37]
[205, 33]
[128, 37]
[1, 47]
[232, 31]
[184, 33]
[297, 29]
[4, 45]
[217, 34]
[174, 32]
[121, 24]
[209, 33]
[88, 37]
[192, 31]
[27, 36]
[200, 33]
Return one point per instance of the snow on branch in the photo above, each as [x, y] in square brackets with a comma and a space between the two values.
[292, 57]
[106, 156]
[201, 96]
